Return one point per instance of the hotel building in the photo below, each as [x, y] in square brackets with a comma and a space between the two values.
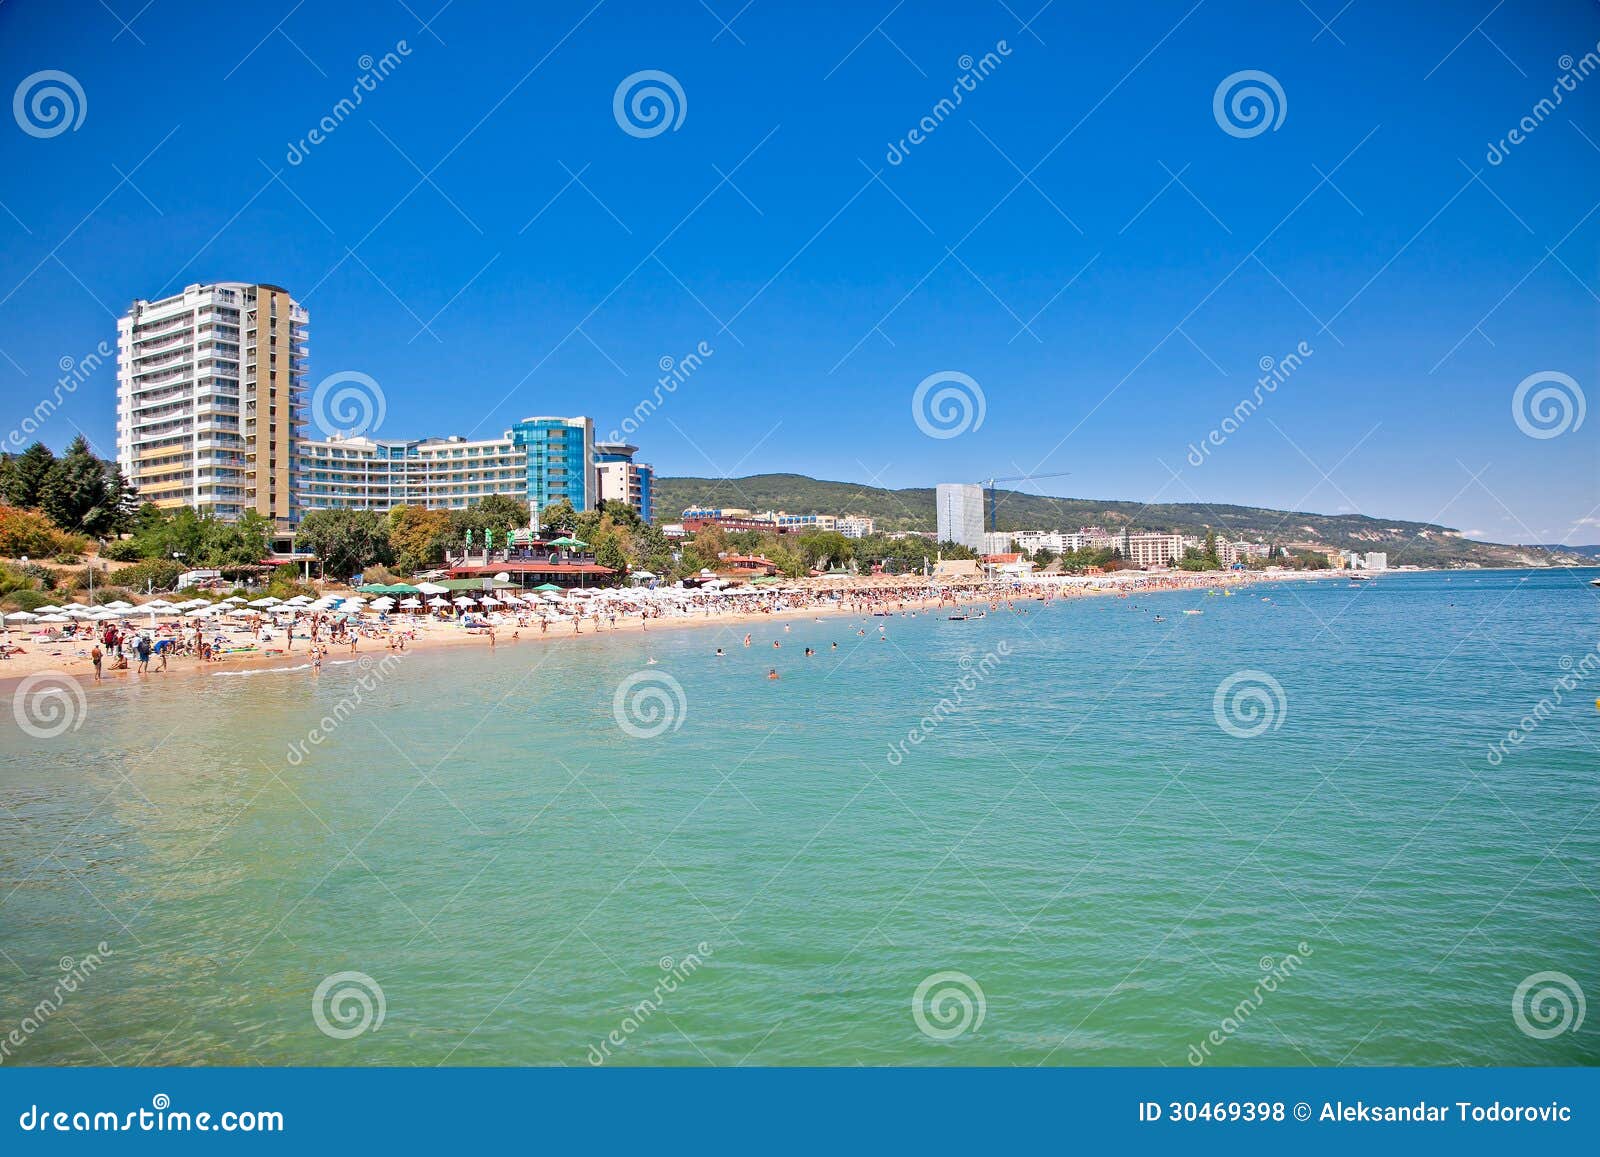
[537, 461]
[621, 479]
[380, 473]
[960, 513]
[210, 398]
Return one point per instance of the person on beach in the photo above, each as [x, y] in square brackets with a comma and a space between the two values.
[97, 656]
[142, 649]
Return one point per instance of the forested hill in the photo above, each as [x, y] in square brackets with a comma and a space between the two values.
[1419, 543]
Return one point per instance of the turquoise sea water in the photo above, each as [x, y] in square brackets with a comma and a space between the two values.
[1112, 873]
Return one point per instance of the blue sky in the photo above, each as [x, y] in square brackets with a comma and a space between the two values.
[1081, 236]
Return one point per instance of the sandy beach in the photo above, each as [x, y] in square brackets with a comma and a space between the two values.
[409, 634]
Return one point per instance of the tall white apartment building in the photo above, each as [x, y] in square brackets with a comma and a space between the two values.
[960, 513]
[1147, 550]
[856, 526]
[210, 398]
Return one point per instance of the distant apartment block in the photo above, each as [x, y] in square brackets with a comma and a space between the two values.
[621, 479]
[856, 526]
[210, 398]
[959, 514]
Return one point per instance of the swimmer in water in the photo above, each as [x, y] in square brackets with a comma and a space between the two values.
[747, 640]
[719, 652]
[772, 672]
[650, 662]
[775, 643]
[809, 652]
[834, 647]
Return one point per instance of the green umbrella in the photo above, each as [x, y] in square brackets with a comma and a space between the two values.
[565, 541]
[547, 587]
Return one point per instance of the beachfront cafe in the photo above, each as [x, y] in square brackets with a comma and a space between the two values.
[529, 561]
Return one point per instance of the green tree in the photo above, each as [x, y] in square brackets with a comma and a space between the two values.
[417, 536]
[345, 540]
[22, 475]
[558, 518]
[84, 494]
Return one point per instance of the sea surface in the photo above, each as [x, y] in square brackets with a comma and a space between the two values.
[1043, 836]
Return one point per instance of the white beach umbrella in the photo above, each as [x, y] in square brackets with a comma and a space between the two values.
[191, 604]
[266, 602]
[382, 604]
[54, 619]
[118, 605]
[75, 607]
[198, 613]
[49, 610]
[490, 601]
[437, 602]
[462, 601]
[21, 617]
[233, 599]
[300, 600]
[432, 589]
[410, 603]
[156, 605]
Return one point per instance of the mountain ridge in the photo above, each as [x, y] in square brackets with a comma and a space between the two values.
[912, 508]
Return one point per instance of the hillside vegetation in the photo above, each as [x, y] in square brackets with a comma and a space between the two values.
[1407, 543]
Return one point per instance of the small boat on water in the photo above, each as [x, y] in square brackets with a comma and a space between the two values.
[1194, 612]
[1594, 582]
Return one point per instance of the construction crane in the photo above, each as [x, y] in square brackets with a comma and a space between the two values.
[988, 491]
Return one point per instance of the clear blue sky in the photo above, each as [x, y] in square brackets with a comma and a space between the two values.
[1110, 314]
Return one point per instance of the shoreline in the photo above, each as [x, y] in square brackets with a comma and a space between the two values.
[434, 635]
